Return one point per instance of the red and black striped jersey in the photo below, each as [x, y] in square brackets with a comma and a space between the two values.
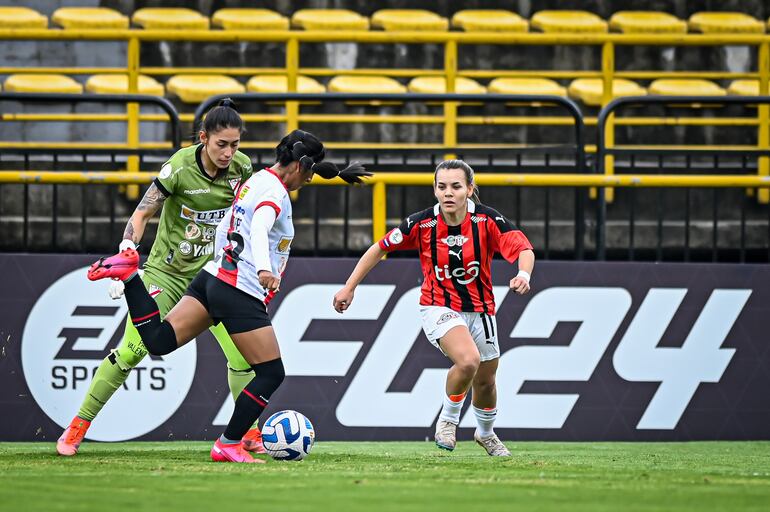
[456, 260]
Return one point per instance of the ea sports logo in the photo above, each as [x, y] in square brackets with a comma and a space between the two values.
[70, 330]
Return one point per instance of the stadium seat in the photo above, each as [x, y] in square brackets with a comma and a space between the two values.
[249, 19]
[638, 22]
[744, 88]
[568, 21]
[279, 84]
[118, 84]
[42, 83]
[589, 90]
[329, 19]
[21, 17]
[725, 22]
[392, 20]
[366, 84]
[89, 18]
[526, 86]
[489, 20]
[196, 88]
[685, 87]
[437, 85]
[176, 18]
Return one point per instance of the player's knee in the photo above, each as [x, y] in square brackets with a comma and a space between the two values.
[160, 341]
[468, 363]
[271, 372]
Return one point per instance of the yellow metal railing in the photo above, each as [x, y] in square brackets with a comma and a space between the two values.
[451, 42]
[380, 182]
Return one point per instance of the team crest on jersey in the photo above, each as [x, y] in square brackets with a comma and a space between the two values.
[447, 317]
[211, 217]
[154, 290]
[284, 245]
[192, 231]
[242, 194]
[455, 240]
[234, 183]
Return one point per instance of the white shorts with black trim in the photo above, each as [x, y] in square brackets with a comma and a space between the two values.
[437, 320]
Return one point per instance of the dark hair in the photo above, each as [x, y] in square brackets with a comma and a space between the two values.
[463, 166]
[305, 148]
[223, 116]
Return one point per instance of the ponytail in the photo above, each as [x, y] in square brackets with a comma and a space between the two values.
[305, 148]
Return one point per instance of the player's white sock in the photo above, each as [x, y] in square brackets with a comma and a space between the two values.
[453, 404]
[485, 418]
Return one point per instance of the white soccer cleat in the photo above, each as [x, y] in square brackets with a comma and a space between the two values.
[492, 445]
[446, 435]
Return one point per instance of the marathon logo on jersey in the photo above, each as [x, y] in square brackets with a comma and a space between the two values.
[394, 238]
[454, 240]
[197, 191]
[447, 317]
[212, 217]
[81, 326]
[462, 275]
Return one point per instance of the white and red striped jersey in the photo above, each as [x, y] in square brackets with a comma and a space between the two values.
[256, 234]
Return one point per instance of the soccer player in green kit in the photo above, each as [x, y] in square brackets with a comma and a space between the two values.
[195, 187]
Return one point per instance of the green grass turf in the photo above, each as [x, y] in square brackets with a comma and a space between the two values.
[391, 476]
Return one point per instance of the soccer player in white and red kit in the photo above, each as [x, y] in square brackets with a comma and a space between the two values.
[456, 240]
[253, 244]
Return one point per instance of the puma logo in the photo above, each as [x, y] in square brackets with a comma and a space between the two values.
[409, 222]
[458, 254]
[501, 219]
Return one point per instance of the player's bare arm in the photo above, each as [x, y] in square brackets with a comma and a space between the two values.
[147, 207]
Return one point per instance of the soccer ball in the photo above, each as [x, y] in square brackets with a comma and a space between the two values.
[288, 435]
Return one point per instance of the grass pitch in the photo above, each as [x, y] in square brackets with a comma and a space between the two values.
[391, 476]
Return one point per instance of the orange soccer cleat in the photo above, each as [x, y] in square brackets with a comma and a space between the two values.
[70, 440]
[221, 452]
[120, 266]
[252, 441]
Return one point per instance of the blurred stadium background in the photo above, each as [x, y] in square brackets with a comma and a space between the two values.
[625, 131]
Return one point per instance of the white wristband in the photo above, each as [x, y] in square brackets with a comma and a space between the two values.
[524, 275]
[126, 244]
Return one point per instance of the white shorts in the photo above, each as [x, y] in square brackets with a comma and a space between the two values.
[437, 320]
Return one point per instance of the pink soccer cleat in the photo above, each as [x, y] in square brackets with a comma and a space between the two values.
[232, 453]
[252, 441]
[70, 440]
[121, 266]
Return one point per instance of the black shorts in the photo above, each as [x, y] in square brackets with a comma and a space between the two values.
[235, 309]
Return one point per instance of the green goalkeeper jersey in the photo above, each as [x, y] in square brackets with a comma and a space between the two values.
[194, 205]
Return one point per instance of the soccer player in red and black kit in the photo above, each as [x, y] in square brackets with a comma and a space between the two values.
[456, 240]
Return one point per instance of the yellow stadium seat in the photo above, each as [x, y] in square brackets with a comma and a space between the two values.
[118, 84]
[89, 18]
[654, 22]
[279, 84]
[685, 87]
[392, 20]
[366, 85]
[329, 19]
[437, 85]
[489, 20]
[589, 90]
[196, 88]
[249, 19]
[21, 17]
[744, 88]
[526, 86]
[42, 83]
[725, 22]
[568, 21]
[175, 18]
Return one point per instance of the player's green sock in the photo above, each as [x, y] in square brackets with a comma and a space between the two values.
[108, 378]
[237, 380]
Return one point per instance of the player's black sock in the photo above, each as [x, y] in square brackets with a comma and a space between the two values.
[255, 397]
[158, 336]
